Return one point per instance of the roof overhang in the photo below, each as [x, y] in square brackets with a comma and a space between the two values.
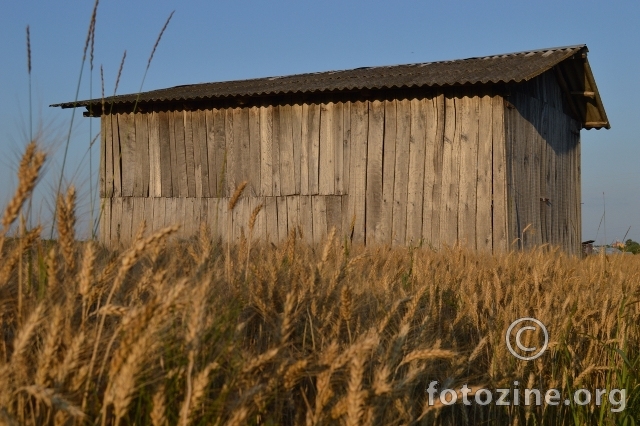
[579, 86]
[570, 65]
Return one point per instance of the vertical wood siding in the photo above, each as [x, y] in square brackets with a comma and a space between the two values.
[402, 171]
[543, 168]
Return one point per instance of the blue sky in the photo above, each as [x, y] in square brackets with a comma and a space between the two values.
[215, 41]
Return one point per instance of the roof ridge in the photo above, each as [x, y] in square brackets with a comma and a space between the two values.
[508, 67]
[373, 67]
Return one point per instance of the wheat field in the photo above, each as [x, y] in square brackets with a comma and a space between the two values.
[199, 332]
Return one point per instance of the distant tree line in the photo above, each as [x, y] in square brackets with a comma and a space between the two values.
[631, 246]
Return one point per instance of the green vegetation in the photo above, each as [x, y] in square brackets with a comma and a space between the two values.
[631, 246]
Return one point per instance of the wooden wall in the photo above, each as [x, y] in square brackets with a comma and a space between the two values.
[543, 162]
[404, 171]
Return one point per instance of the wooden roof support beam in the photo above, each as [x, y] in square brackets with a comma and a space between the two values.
[596, 124]
[591, 95]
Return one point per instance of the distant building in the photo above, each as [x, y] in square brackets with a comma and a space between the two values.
[587, 247]
[482, 151]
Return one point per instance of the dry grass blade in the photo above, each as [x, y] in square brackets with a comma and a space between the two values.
[426, 354]
[28, 50]
[158, 413]
[28, 172]
[155, 46]
[26, 332]
[236, 195]
[50, 398]
[66, 227]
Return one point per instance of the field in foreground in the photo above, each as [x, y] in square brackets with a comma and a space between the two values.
[198, 332]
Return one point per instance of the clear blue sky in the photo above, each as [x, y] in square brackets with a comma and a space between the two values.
[215, 41]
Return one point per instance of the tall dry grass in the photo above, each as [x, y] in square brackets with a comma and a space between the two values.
[297, 334]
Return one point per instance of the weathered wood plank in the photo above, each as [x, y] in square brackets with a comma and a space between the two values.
[173, 148]
[296, 131]
[204, 214]
[431, 130]
[499, 177]
[449, 203]
[212, 161]
[556, 181]
[293, 204]
[116, 222]
[178, 209]
[126, 221]
[148, 214]
[522, 172]
[158, 213]
[130, 155]
[326, 183]
[544, 176]
[285, 137]
[338, 147]
[241, 131]
[155, 183]
[319, 208]
[403, 136]
[200, 142]
[484, 233]
[283, 220]
[181, 156]
[126, 129]
[305, 216]
[255, 186]
[266, 150]
[217, 219]
[437, 165]
[197, 131]
[313, 140]
[511, 179]
[108, 154]
[199, 213]
[189, 153]
[189, 219]
[240, 219]
[275, 150]
[271, 219]
[224, 227]
[142, 148]
[358, 161]
[374, 190]
[468, 115]
[304, 149]
[415, 186]
[534, 151]
[139, 153]
[105, 221]
[220, 148]
[165, 154]
[103, 166]
[231, 114]
[333, 204]
[388, 172]
[346, 147]
[259, 227]
[117, 158]
[137, 215]
[578, 185]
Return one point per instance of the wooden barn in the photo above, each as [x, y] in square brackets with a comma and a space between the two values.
[483, 152]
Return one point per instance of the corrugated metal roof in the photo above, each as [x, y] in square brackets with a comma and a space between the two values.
[503, 68]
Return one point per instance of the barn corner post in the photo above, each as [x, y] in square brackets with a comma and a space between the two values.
[483, 152]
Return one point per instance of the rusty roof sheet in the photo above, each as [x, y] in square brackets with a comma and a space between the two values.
[503, 68]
